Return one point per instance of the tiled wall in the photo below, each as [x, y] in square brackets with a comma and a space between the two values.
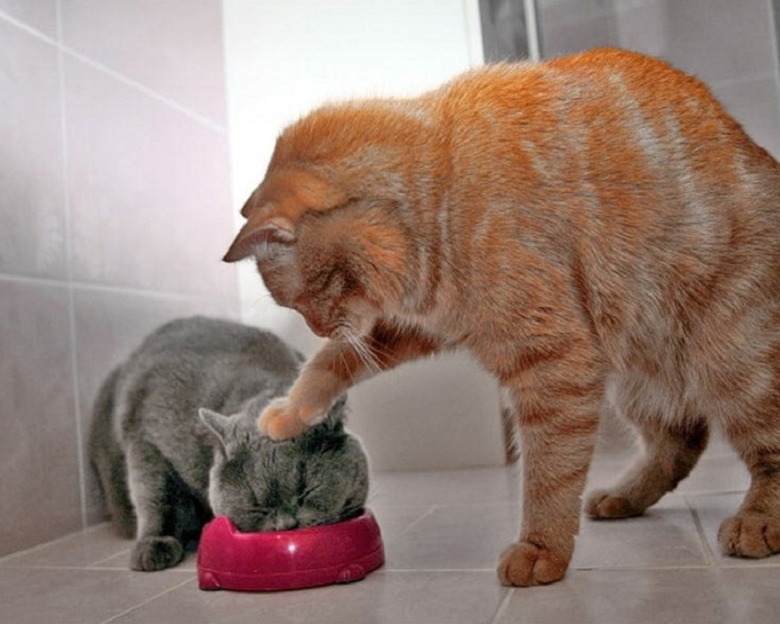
[114, 212]
[730, 45]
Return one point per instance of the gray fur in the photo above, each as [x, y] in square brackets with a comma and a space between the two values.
[167, 457]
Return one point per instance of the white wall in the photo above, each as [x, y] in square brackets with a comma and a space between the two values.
[283, 58]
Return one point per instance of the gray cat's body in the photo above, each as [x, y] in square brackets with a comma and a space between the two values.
[164, 468]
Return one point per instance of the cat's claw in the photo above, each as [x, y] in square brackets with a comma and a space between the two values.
[524, 564]
[280, 420]
[750, 534]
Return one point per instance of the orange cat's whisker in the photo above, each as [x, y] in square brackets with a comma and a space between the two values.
[363, 351]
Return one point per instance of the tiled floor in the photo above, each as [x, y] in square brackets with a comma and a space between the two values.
[443, 532]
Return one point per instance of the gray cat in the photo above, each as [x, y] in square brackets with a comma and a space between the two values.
[167, 459]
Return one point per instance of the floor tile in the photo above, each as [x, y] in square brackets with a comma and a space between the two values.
[711, 510]
[688, 596]
[121, 561]
[77, 596]
[443, 532]
[409, 598]
[456, 537]
[665, 536]
[394, 521]
[83, 549]
[97, 547]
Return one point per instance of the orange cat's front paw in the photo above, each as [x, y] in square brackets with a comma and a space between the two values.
[280, 420]
[747, 534]
[524, 564]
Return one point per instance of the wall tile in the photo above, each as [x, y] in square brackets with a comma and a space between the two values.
[720, 39]
[559, 38]
[147, 177]
[38, 447]
[149, 190]
[40, 15]
[728, 45]
[32, 204]
[714, 39]
[568, 26]
[450, 388]
[756, 105]
[173, 47]
[109, 326]
[644, 27]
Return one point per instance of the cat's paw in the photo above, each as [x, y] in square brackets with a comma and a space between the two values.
[156, 553]
[750, 534]
[604, 505]
[281, 420]
[524, 564]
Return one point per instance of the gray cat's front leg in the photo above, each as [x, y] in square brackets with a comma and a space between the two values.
[150, 492]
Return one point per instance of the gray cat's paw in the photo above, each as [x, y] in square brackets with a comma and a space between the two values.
[156, 553]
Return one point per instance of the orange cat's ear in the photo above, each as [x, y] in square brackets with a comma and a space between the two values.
[275, 207]
[260, 228]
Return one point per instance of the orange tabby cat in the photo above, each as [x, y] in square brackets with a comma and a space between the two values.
[594, 227]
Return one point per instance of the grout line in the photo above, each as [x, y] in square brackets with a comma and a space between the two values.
[107, 288]
[28, 29]
[655, 568]
[94, 568]
[59, 540]
[744, 564]
[187, 112]
[59, 43]
[69, 274]
[422, 517]
[503, 606]
[32, 279]
[708, 554]
[97, 564]
[116, 617]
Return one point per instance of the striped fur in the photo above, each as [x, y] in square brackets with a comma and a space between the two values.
[594, 227]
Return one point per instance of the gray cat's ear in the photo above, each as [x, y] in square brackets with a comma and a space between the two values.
[335, 418]
[216, 423]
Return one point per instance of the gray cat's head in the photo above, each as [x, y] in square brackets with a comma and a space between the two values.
[262, 485]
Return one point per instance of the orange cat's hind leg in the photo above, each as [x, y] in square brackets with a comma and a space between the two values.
[668, 454]
[754, 531]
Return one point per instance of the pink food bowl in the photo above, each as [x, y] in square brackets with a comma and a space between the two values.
[276, 560]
